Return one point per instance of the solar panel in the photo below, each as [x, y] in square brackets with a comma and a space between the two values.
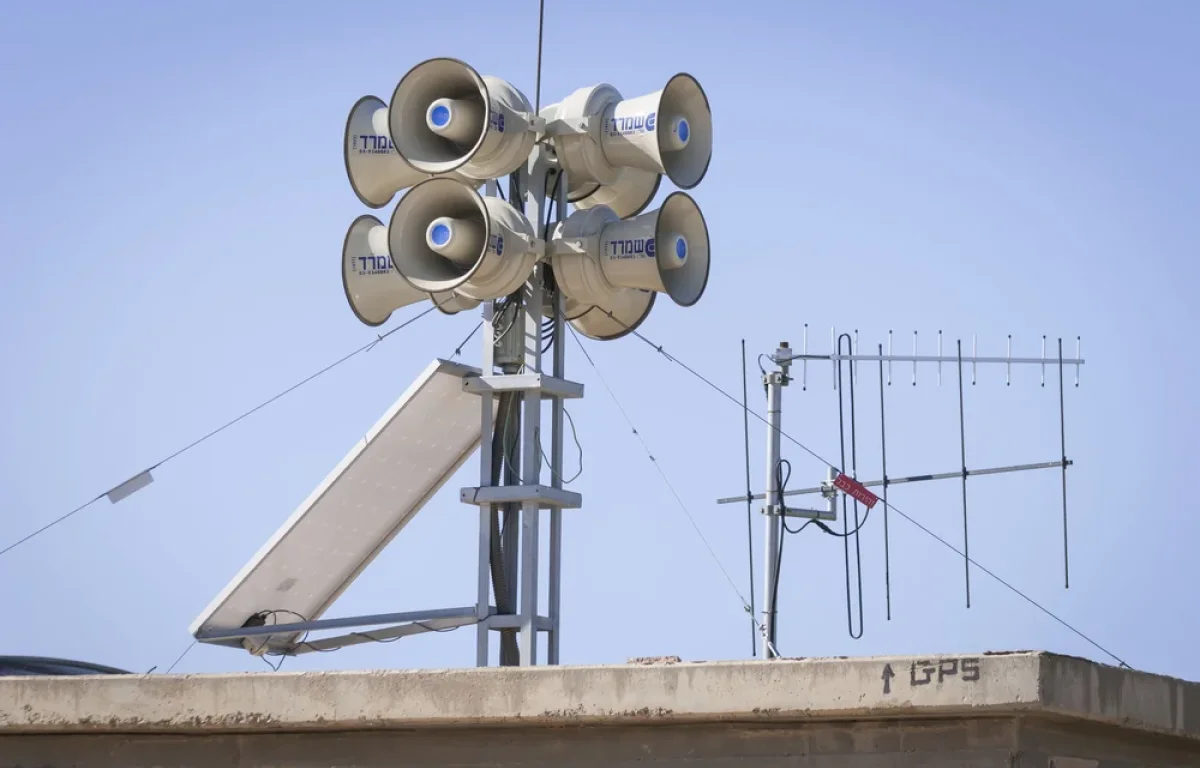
[381, 484]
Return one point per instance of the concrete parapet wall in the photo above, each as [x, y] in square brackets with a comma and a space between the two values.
[988, 710]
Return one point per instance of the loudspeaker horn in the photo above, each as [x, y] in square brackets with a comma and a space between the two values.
[446, 117]
[596, 131]
[666, 251]
[373, 287]
[445, 236]
[628, 196]
[375, 170]
[627, 309]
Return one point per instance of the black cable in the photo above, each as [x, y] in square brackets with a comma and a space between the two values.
[578, 447]
[213, 433]
[303, 643]
[764, 372]
[365, 635]
[503, 307]
[501, 578]
[774, 618]
[50, 525]
[186, 651]
[551, 202]
[658, 348]
[551, 205]
[548, 335]
[273, 614]
[780, 483]
[463, 343]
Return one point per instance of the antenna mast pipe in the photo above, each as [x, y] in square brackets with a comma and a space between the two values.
[775, 381]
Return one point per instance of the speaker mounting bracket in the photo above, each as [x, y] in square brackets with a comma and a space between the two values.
[568, 126]
[549, 386]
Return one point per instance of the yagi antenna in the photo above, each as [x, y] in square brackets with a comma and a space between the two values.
[844, 358]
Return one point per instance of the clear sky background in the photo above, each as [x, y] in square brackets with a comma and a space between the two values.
[174, 202]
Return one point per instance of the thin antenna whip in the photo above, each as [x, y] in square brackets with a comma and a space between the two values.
[749, 503]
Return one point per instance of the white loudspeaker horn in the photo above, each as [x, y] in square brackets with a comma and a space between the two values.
[445, 236]
[376, 171]
[666, 251]
[596, 131]
[628, 196]
[626, 310]
[446, 117]
[373, 287]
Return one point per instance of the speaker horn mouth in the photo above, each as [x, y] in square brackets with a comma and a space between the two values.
[417, 226]
[683, 254]
[630, 195]
[685, 131]
[438, 115]
[357, 240]
[577, 191]
[363, 137]
[631, 309]
[373, 287]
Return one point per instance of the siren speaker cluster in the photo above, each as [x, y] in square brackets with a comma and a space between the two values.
[447, 117]
[449, 128]
[445, 236]
[373, 287]
[607, 142]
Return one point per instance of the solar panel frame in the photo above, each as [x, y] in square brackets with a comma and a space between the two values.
[356, 511]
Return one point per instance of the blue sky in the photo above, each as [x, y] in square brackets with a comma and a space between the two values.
[174, 201]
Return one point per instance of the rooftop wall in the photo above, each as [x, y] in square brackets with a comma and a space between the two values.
[991, 710]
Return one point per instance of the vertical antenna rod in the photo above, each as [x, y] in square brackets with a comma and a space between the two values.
[854, 351]
[962, 434]
[887, 568]
[1043, 359]
[939, 358]
[833, 345]
[889, 355]
[1079, 341]
[914, 358]
[749, 493]
[1008, 367]
[846, 532]
[1062, 425]
[974, 356]
[804, 369]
